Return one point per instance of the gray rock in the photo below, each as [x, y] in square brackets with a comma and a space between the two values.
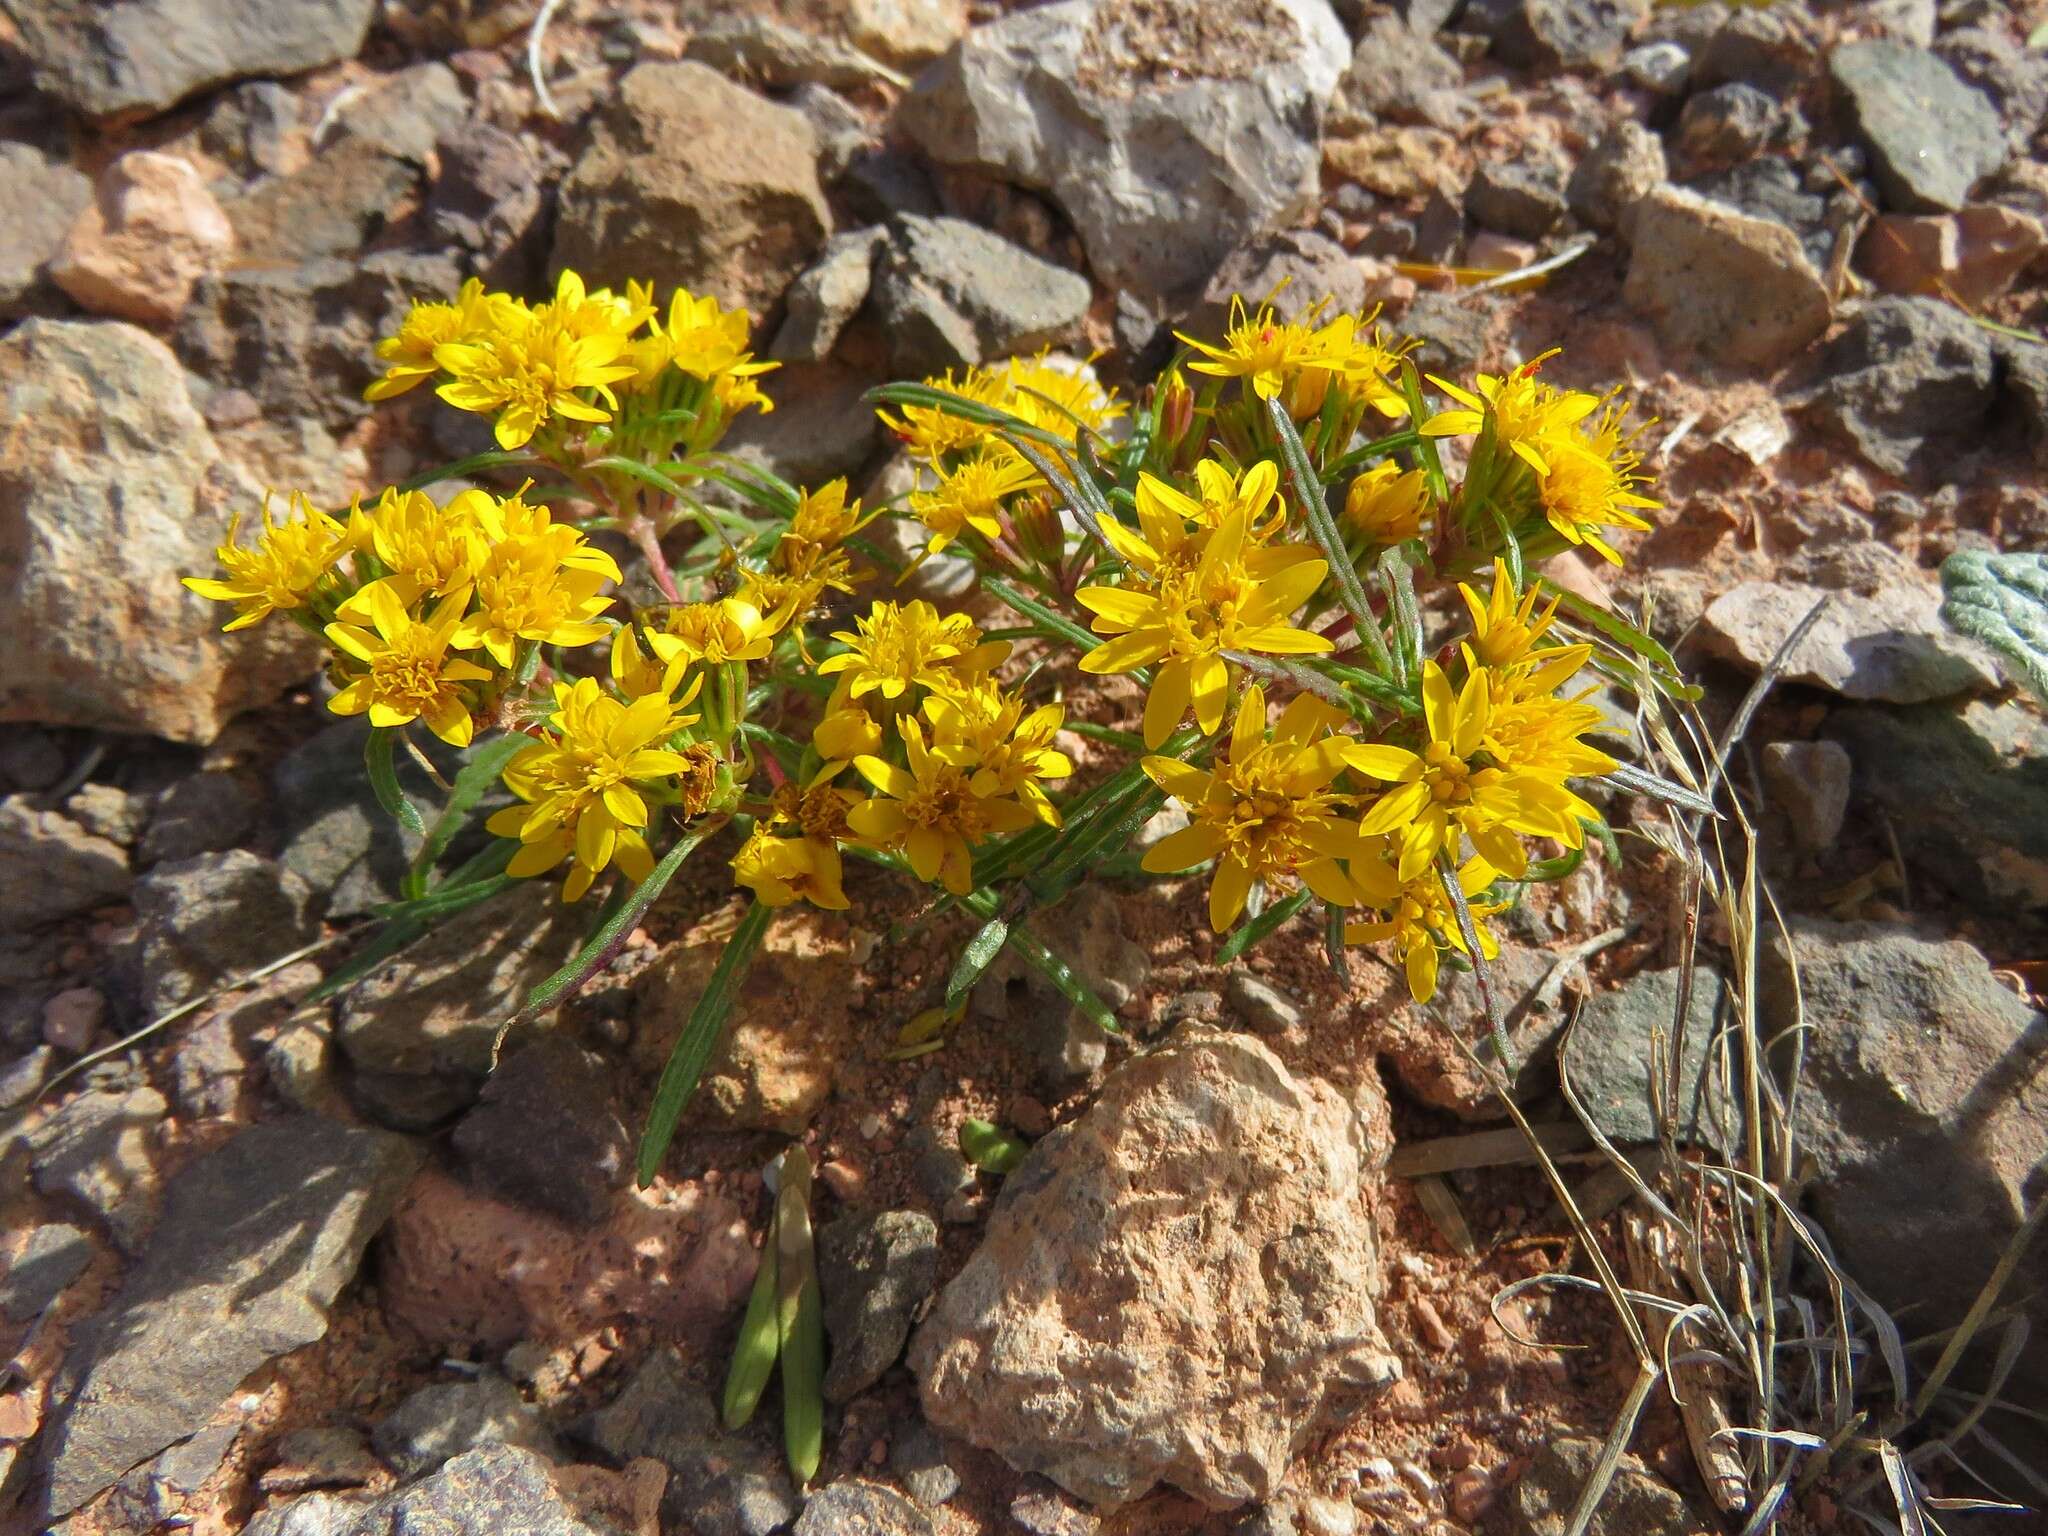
[2015, 78]
[1452, 328]
[1637, 1503]
[1313, 268]
[45, 193]
[1261, 1004]
[1923, 1107]
[918, 1457]
[1556, 34]
[52, 868]
[108, 811]
[404, 114]
[1736, 288]
[947, 292]
[442, 1421]
[545, 1134]
[112, 483]
[1398, 75]
[31, 759]
[329, 207]
[53, 1257]
[495, 1490]
[688, 178]
[1730, 122]
[850, 1507]
[1769, 188]
[256, 1240]
[828, 294]
[2023, 380]
[758, 50]
[720, 1484]
[320, 1456]
[1609, 1058]
[1811, 780]
[875, 1272]
[1906, 378]
[208, 1071]
[250, 128]
[843, 134]
[202, 920]
[821, 427]
[1066, 1046]
[1161, 183]
[1767, 47]
[1523, 198]
[419, 1032]
[1966, 790]
[96, 1149]
[1931, 138]
[1661, 68]
[22, 1078]
[1891, 646]
[489, 203]
[336, 837]
[1617, 173]
[201, 814]
[939, 1166]
[1044, 1510]
[135, 57]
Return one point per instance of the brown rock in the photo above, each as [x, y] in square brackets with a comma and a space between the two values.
[1395, 162]
[460, 1268]
[140, 246]
[789, 1028]
[905, 33]
[1177, 1287]
[1638, 1502]
[1734, 287]
[689, 178]
[1973, 255]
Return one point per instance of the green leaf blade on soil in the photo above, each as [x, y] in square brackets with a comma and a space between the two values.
[800, 1320]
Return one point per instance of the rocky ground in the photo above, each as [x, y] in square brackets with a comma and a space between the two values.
[304, 1268]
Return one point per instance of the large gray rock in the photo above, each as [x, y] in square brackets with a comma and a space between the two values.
[1556, 34]
[878, 1270]
[1638, 1502]
[1177, 1287]
[688, 178]
[947, 292]
[1398, 75]
[1890, 645]
[110, 483]
[53, 1257]
[256, 1240]
[328, 207]
[135, 57]
[1168, 134]
[1931, 138]
[43, 194]
[1925, 1110]
[1734, 287]
[1611, 1063]
[51, 867]
[97, 1151]
[1966, 791]
[441, 1421]
[212, 917]
[828, 295]
[1906, 380]
[545, 1134]
[495, 1490]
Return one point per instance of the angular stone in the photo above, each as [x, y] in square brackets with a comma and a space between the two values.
[1729, 123]
[1637, 1503]
[52, 868]
[1522, 198]
[851, 1507]
[201, 814]
[691, 179]
[1736, 288]
[43, 194]
[50, 1258]
[1905, 380]
[495, 1490]
[329, 207]
[1609, 1057]
[336, 837]
[1891, 646]
[545, 1133]
[758, 50]
[110, 482]
[947, 292]
[876, 1271]
[488, 202]
[828, 295]
[210, 918]
[138, 249]
[1556, 34]
[1617, 173]
[127, 58]
[1398, 75]
[444, 1420]
[1169, 135]
[1931, 138]
[407, 113]
[1177, 1287]
[1299, 267]
[97, 1150]
[1975, 254]
[256, 1240]
[905, 33]
[1810, 780]
[320, 1456]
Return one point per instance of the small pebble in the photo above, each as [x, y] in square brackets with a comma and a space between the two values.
[73, 1017]
[843, 1179]
[1471, 1494]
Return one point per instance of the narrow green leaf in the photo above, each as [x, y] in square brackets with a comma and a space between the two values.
[976, 958]
[1310, 495]
[989, 1147]
[760, 1340]
[383, 772]
[485, 764]
[1625, 635]
[1261, 927]
[1041, 615]
[462, 469]
[700, 1034]
[800, 1320]
[979, 412]
[1069, 982]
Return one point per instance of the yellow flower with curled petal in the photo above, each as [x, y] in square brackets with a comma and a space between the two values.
[896, 647]
[425, 548]
[1505, 628]
[1386, 504]
[1419, 919]
[1058, 399]
[585, 784]
[845, 731]
[1265, 811]
[527, 375]
[727, 629]
[1531, 731]
[408, 674]
[1006, 749]
[707, 340]
[280, 572]
[783, 870]
[636, 673]
[929, 809]
[539, 582]
[970, 496]
[1267, 353]
[1527, 415]
[1591, 482]
[408, 354]
[1184, 618]
[931, 432]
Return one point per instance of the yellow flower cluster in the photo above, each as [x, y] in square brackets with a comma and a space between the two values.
[565, 364]
[1299, 360]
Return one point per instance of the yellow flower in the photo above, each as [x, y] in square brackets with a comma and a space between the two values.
[783, 870]
[896, 647]
[411, 676]
[931, 432]
[1420, 920]
[714, 633]
[824, 519]
[1527, 416]
[410, 353]
[1265, 812]
[971, 496]
[1359, 354]
[1530, 731]
[1185, 619]
[845, 731]
[1591, 483]
[1171, 517]
[1504, 630]
[1057, 399]
[1267, 353]
[527, 375]
[1387, 505]
[931, 812]
[637, 674]
[1005, 750]
[539, 582]
[282, 570]
[425, 548]
[583, 784]
[708, 341]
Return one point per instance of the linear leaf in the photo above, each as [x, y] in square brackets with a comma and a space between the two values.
[760, 1341]
[800, 1320]
[976, 958]
[1262, 926]
[383, 772]
[485, 764]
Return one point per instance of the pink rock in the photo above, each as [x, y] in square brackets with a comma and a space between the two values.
[150, 233]
[1974, 255]
[461, 1268]
[73, 1017]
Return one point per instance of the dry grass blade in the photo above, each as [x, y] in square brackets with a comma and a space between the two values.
[1485, 1149]
[1738, 726]
[1987, 1298]
[1611, 1450]
[1702, 1405]
[1441, 1207]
